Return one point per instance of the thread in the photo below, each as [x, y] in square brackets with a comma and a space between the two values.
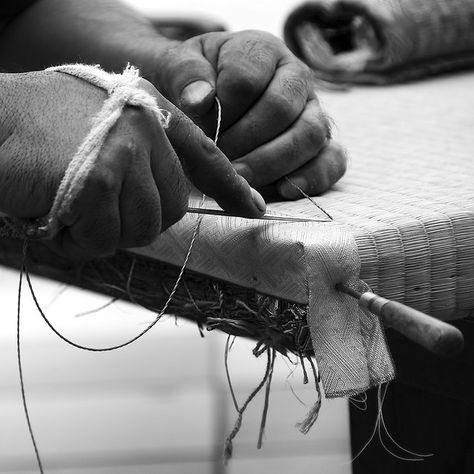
[359, 402]
[379, 424]
[308, 197]
[417, 456]
[20, 372]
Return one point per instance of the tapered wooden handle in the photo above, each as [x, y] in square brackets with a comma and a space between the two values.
[431, 333]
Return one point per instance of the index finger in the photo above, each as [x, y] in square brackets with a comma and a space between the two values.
[210, 170]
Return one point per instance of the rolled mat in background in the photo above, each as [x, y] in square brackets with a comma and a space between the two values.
[384, 41]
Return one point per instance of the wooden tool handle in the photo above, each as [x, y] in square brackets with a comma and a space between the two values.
[431, 333]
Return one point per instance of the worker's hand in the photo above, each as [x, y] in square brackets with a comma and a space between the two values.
[273, 125]
[136, 190]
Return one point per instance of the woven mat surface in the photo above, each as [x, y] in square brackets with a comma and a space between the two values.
[403, 223]
[407, 197]
[382, 41]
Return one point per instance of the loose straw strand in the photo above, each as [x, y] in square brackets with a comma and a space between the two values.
[228, 446]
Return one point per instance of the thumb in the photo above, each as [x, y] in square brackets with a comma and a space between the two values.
[188, 79]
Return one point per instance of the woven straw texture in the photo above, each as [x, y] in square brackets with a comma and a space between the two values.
[408, 195]
[409, 192]
[407, 201]
[382, 41]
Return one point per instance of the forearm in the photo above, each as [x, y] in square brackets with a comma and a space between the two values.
[90, 31]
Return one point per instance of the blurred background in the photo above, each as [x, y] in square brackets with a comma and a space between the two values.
[161, 405]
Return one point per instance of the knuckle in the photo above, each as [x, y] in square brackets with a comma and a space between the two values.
[294, 88]
[246, 62]
[258, 40]
[314, 133]
[290, 97]
[255, 50]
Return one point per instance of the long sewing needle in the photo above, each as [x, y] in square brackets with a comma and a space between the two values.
[266, 217]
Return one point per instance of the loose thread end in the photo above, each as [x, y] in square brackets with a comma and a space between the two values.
[310, 419]
[228, 446]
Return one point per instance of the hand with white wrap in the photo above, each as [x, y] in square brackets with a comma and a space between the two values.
[137, 187]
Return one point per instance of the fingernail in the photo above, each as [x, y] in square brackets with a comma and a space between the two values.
[195, 93]
[258, 201]
[289, 188]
